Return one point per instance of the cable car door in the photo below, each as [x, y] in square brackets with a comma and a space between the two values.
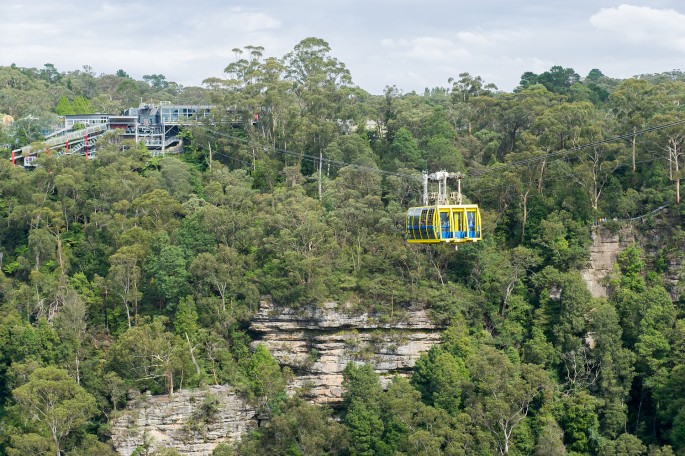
[445, 230]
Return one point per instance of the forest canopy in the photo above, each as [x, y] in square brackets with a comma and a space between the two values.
[139, 271]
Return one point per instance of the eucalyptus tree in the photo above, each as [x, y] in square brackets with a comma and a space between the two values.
[354, 197]
[438, 142]
[56, 403]
[295, 252]
[125, 277]
[149, 356]
[525, 179]
[594, 161]
[72, 326]
[615, 368]
[551, 136]
[231, 195]
[669, 143]
[468, 93]
[156, 81]
[501, 394]
[254, 95]
[321, 85]
[634, 104]
[299, 428]
[21, 93]
[408, 111]
[557, 79]
[225, 273]
[521, 112]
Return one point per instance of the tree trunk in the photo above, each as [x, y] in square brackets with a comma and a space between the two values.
[55, 438]
[542, 172]
[677, 182]
[60, 255]
[104, 307]
[77, 363]
[320, 168]
[525, 215]
[634, 139]
[128, 313]
[210, 158]
[192, 355]
[507, 436]
[169, 382]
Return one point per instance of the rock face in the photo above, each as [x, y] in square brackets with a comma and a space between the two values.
[181, 421]
[661, 242]
[603, 255]
[317, 344]
[664, 243]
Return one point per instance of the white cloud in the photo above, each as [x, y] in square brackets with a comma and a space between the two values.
[473, 38]
[259, 21]
[235, 21]
[643, 25]
[430, 49]
[411, 48]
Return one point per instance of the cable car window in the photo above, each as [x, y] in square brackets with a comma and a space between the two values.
[445, 225]
[471, 221]
[459, 224]
[427, 228]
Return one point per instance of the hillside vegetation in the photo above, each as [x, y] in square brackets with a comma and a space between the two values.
[137, 272]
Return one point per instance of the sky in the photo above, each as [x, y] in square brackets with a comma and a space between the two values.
[411, 45]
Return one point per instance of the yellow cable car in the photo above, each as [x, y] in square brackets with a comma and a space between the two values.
[446, 221]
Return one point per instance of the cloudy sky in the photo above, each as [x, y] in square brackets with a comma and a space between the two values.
[410, 44]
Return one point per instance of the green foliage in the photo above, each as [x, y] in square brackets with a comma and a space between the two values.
[148, 356]
[170, 273]
[631, 264]
[562, 241]
[616, 375]
[203, 415]
[185, 322]
[81, 105]
[551, 440]
[90, 446]
[578, 419]
[500, 394]
[29, 444]
[624, 445]
[300, 429]
[440, 377]
[266, 380]
[366, 429]
[137, 272]
[64, 107]
[55, 403]
[362, 396]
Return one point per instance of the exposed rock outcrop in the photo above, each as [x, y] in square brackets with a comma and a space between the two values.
[317, 344]
[182, 421]
[660, 239]
[603, 255]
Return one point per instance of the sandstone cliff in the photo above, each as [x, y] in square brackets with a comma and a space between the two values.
[603, 255]
[192, 421]
[317, 344]
[659, 237]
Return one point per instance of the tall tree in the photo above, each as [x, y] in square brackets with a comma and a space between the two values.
[149, 356]
[125, 276]
[53, 400]
[670, 141]
[633, 102]
[501, 394]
